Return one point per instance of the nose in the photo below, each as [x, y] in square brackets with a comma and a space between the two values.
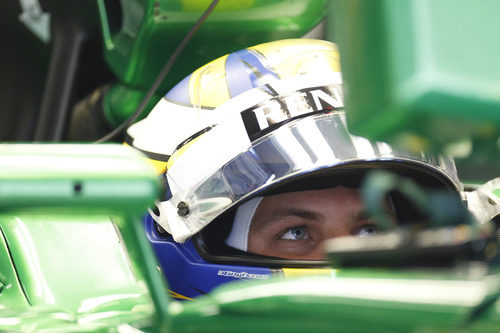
[332, 230]
[335, 227]
[318, 252]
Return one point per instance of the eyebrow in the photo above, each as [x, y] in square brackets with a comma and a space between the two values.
[310, 215]
[362, 215]
[305, 214]
[302, 213]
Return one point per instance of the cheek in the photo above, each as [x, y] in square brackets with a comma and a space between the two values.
[257, 243]
[266, 243]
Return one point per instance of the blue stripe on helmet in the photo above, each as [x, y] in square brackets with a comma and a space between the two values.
[180, 93]
[243, 69]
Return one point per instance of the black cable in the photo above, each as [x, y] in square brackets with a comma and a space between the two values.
[159, 79]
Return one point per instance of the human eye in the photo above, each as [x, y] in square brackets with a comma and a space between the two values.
[367, 231]
[295, 233]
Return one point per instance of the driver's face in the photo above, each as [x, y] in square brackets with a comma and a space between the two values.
[293, 225]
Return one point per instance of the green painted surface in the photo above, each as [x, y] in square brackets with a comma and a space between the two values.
[151, 30]
[121, 101]
[73, 254]
[11, 293]
[343, 304]
[69, 251]
[421, 73]
[82, 243]
[76, 268]
[140, 36]
[75, 175]
[85, 265]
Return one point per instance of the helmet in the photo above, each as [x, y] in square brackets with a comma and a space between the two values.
[264, 120]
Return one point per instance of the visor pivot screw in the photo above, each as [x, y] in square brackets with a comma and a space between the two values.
[182, 209]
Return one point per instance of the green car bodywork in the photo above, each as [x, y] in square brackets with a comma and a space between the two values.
[424, 74]
[66, 218]
[73, 253]
[75, 258]
[139, 36]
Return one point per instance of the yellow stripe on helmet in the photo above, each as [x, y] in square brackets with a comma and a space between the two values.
[160, 166]
[323, 55]
[178, 296]
[294, 272]
[178, 152]
[206, 82]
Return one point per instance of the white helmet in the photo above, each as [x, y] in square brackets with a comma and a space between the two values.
[259, 119]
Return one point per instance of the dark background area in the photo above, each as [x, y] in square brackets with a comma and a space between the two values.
[40, 82]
